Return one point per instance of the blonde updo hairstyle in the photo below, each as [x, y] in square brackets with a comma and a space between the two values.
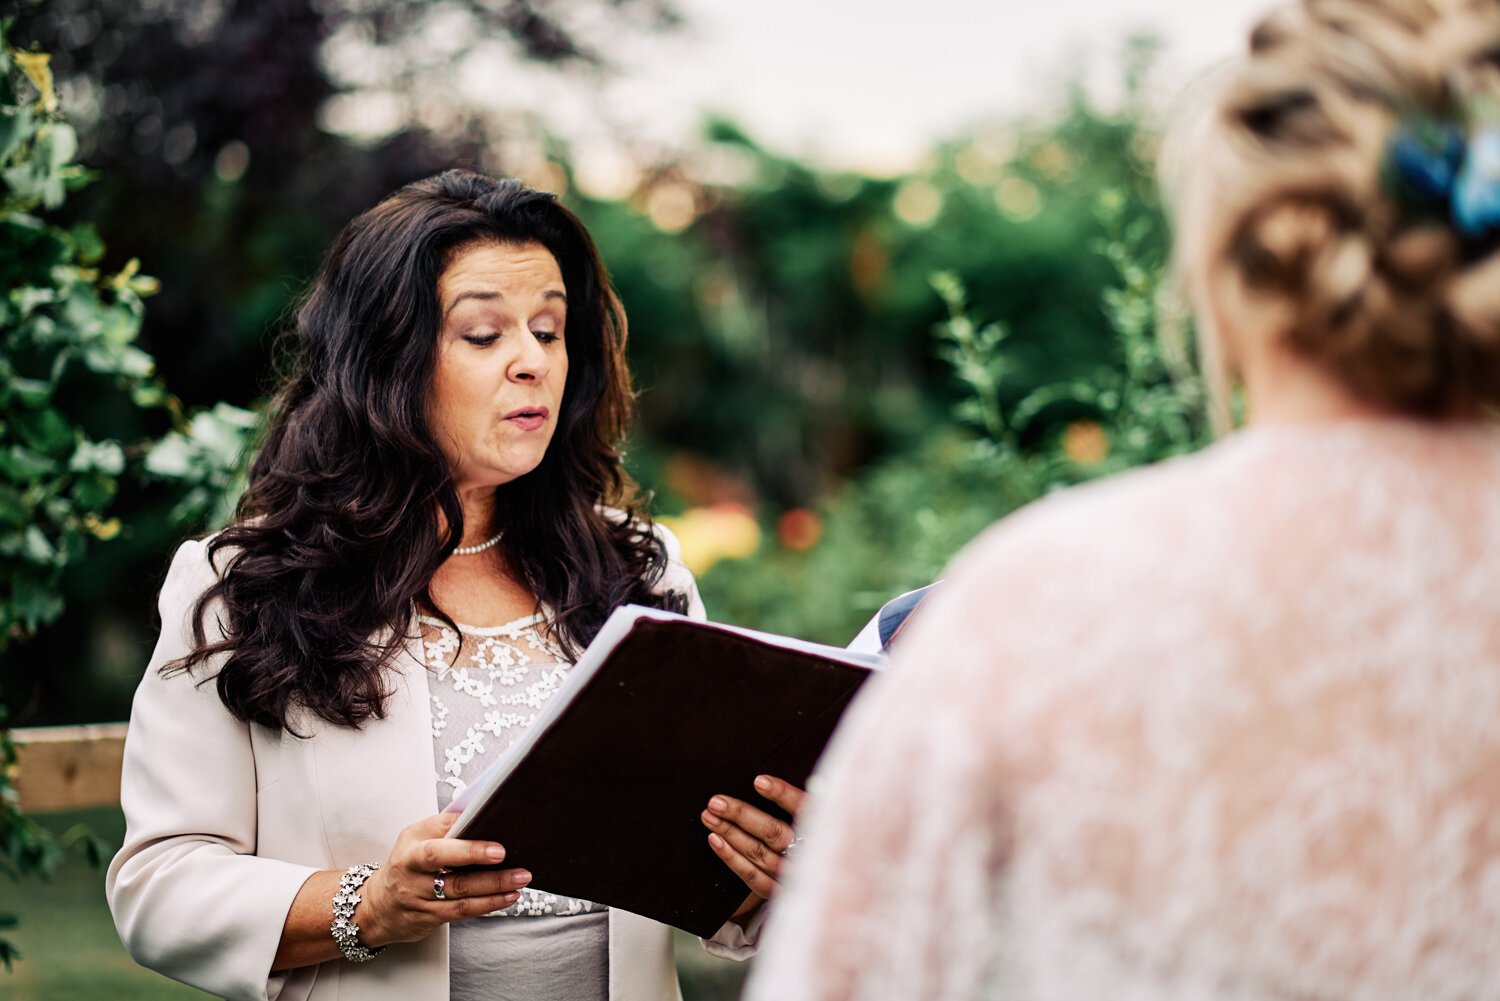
[1280, 188]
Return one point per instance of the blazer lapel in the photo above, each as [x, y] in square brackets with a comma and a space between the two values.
[379, 779]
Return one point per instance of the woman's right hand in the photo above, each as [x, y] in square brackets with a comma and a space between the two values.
[398, 903]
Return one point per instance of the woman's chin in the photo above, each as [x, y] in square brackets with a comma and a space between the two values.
[497, 473]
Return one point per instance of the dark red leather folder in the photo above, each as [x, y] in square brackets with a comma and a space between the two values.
[601, 799]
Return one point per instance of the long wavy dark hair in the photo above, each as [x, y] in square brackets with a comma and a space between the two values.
[338, 534]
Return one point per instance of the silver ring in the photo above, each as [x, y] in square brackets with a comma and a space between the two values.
[791, 846]
[437, 888]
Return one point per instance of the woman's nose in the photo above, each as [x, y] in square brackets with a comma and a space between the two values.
[530, 363]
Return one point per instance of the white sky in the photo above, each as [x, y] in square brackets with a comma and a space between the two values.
[865, 85]
[870, 85]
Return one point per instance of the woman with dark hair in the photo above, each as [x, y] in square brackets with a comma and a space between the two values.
[436, 525]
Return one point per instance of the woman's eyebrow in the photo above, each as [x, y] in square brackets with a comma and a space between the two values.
[491, 296]
[481, 296]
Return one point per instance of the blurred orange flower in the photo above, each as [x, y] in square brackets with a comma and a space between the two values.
[799, 529]
[1085, 443]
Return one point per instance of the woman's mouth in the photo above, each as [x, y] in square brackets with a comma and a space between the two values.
[528, 418]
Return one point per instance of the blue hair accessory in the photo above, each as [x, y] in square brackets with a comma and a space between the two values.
[1476, 192]
[1436, 170]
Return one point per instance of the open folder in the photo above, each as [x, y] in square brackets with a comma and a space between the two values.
[600, 798]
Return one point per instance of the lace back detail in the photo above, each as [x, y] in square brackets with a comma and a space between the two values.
[1221, 729]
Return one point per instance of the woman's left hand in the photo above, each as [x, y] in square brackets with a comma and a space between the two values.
[752, 842]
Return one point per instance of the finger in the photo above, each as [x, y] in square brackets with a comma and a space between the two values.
[759, 883]
[781, 792]
[484, 884]
[452, 853]
[472, 907]
[757, 822]
[765, 857]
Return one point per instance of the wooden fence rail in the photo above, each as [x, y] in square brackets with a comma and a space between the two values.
[68, 767]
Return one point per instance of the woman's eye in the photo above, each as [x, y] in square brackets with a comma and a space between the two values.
[481, 340]
[545, 336]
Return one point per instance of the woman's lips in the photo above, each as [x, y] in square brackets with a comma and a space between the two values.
[528, 418]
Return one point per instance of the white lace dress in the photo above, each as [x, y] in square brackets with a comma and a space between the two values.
[1224, 729]
[487, 685]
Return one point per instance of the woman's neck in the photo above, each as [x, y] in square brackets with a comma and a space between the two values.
[479, 588]
[1282, 388]
[478, 505]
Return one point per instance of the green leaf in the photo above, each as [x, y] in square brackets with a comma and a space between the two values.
[122, 322]
[83, 313]
[90, 246]
[31, 392]
[35, 604]
[55, 147]
[23, 182]
[13, 508]
[45, 430]
[171, 458]
[222, 431]
[195, 504]
[72, 548]
[27, 299]
[103, 457]
[149, 394]
[64, 144]
[21, 465]
[36, 547]
[94, 491]
[118, 359]
[15, 125]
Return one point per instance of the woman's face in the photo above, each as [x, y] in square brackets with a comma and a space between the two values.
[501, 363]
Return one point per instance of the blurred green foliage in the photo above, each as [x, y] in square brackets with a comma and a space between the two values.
[782, 318]
[57, 314]
[1014, 435]
[784, 333]
[864, 371]
[67, 334]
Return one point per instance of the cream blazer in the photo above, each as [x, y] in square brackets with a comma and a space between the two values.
[226, 820]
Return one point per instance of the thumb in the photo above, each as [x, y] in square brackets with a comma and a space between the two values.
[435, 826]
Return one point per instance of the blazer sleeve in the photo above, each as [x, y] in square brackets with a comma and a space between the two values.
[678, 577]
[189, 896]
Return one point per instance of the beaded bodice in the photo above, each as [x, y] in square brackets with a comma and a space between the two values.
[487, 685]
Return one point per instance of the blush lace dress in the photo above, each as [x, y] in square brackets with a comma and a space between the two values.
[1227, 728]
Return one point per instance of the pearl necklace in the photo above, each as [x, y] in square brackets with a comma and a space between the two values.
[479, 547]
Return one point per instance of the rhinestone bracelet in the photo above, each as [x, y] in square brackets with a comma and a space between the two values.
[345, 931]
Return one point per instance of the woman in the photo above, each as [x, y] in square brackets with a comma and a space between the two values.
[436, 525]
[1226, 728]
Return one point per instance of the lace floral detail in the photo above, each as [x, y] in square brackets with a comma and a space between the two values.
[1222, 729]
[487, 685]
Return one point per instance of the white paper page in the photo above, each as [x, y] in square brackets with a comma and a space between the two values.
[868, 640]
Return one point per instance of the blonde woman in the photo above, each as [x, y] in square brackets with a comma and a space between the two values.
[1228, 727]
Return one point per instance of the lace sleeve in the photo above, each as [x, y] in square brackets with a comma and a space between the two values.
[896, 896]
